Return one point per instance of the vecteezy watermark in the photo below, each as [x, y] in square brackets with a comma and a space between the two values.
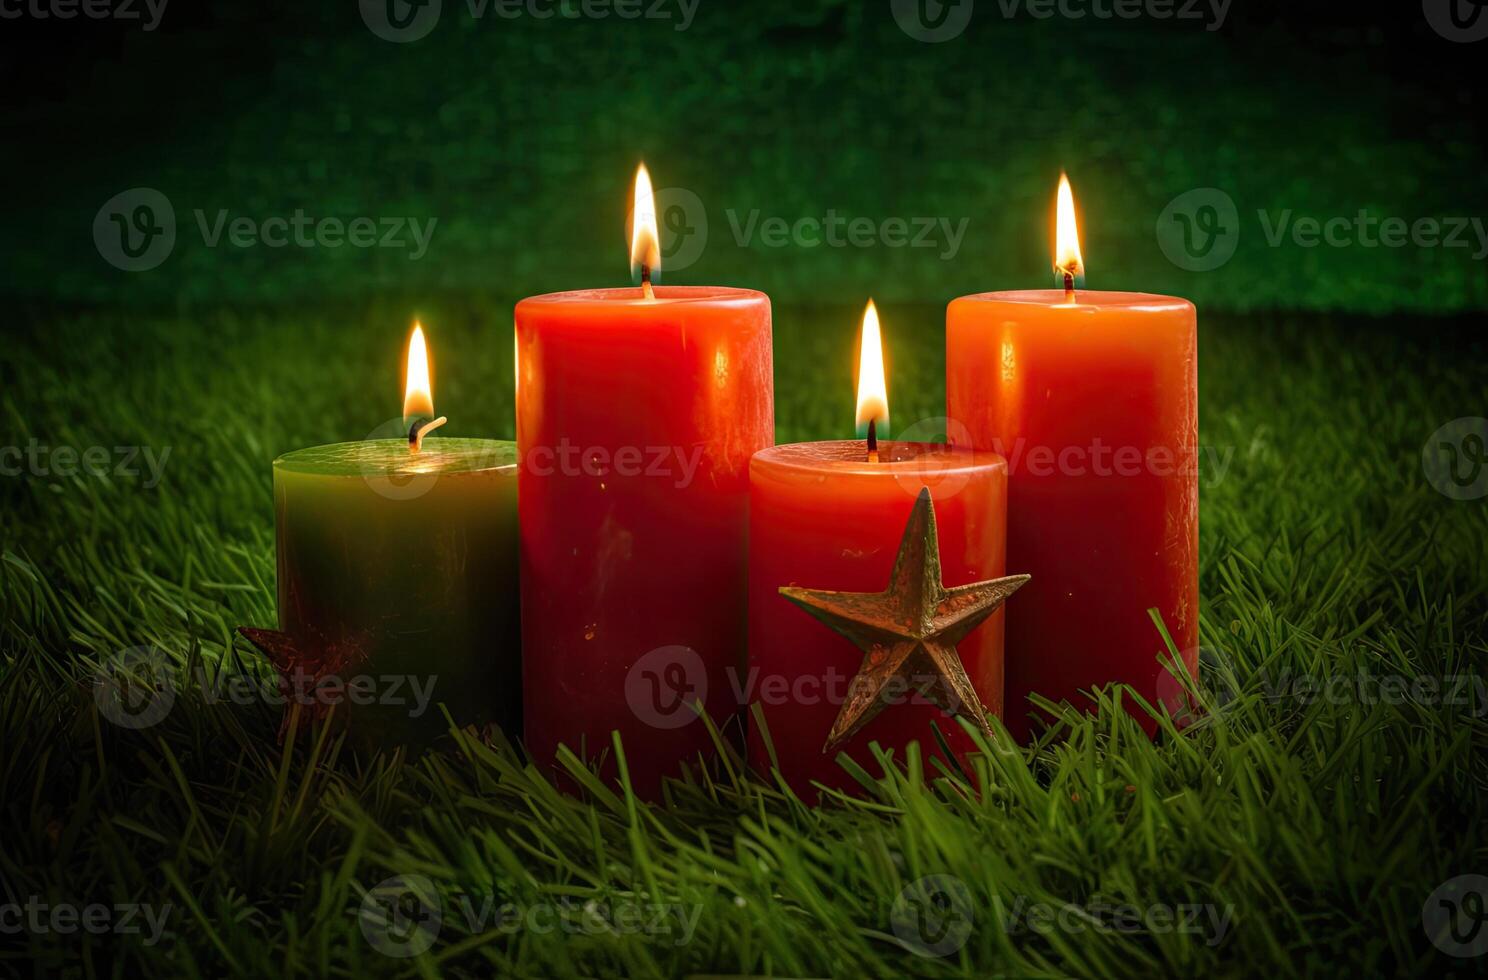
[1463, 21]
[1211, 923]
[136, 230]
[136, 688]
[37, 459]
[682, 225]
[1366, 688]
[1455, 916]
[413, 692]
[934, 21]
[95, 918]
[1455, 458]
[148, 12]
[676, 464]
[403, 916]
[1221, 686]
[1365, 230]
[668, 687]
[402, 21]
[933, 916]
[1100, 459]
[833, 230]
[1200, 229]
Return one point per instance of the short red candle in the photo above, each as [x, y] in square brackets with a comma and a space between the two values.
[1094, 403]
[823, 517]
[636, 418]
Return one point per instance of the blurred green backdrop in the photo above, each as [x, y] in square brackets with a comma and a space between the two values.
[519, 137]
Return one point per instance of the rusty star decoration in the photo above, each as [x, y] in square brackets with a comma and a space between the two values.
[298, 659]
[908, 632]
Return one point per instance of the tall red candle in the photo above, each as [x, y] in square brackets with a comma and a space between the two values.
[637, 412]
[1093, 399]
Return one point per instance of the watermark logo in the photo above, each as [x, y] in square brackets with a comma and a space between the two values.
[40, 918]
[404, 916]
[1455, 916]
[148, 11]
[944, 482]
[833, 230]
[135, 230]
[1462, 21]
[1199, 229]
[409, 481]
[933, 916]
[66, 462]
[667, 687]
[1455, 458]
[1210, 923]
[135, 688]
[401, 21]
[1211, 13]
[401, 916]
[932, 21]
[1223, 681]
[683, 226]
[1217, 685]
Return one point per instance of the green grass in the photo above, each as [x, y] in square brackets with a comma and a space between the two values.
[1318, 827]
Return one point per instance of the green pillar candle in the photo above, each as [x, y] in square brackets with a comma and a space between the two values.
[410, 558]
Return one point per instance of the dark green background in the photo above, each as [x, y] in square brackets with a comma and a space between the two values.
[521, 136]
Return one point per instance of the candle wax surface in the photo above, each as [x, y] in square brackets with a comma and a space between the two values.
[823, 517]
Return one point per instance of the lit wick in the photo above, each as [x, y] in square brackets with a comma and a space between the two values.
[1068, 262]
[645, 240]
[873, 392]
[421, 428]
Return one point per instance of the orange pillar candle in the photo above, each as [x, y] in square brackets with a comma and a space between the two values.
[1093, 399]
[637, 412]
[831, 515]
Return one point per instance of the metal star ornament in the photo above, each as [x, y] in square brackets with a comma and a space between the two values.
[305, 661]
[908, 633]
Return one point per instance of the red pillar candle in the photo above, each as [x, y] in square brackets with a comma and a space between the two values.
[637, 412]
[825, 516]
[1093, 399]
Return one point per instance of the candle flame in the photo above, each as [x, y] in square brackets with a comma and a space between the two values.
[645, 245]
[418, 391]
[873, 392]
[1067, 258]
